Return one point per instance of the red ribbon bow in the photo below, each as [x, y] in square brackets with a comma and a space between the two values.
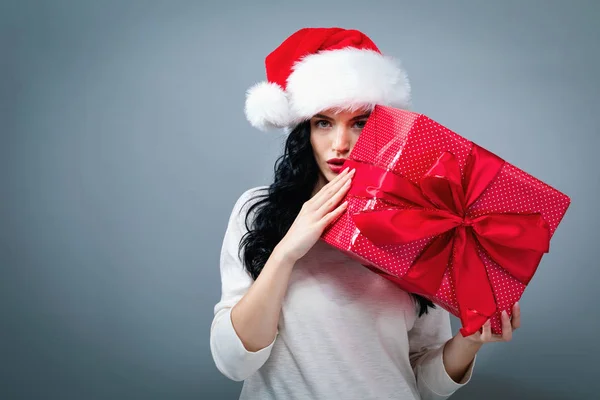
[440, 208]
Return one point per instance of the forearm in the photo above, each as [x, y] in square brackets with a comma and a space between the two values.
[458, 356]
[256, 315]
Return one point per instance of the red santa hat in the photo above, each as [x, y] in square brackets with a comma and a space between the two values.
[316, 69]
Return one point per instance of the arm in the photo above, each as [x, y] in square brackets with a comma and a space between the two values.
[245, 323]
[459, 354]
[256, 315]
[430, 339]
[244, 327]
[460, 351]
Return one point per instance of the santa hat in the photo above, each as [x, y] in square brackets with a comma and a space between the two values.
[316, 69]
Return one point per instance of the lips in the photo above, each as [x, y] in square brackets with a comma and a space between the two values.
[335, 164]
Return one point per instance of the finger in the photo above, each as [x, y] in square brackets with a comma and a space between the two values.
[335, 199]
[330, 189]
[506, 327]
[516, 316]
[486, 334]
[337, 178]
[332, 216]
[326, 194]
[316, 201]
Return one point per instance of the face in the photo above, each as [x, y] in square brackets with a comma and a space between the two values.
[333, 135]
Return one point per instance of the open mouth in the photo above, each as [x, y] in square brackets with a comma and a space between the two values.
[336, 164]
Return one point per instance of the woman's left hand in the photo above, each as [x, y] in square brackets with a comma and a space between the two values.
[509, 325]
[460, 351]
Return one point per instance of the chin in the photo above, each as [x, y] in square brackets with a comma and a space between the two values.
[327, 175]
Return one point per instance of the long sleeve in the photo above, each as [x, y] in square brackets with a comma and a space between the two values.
[426, 339]
[231, 358]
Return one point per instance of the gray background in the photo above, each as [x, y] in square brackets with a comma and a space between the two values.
[124, 147]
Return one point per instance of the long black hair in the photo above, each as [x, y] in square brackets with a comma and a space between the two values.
[296, 174]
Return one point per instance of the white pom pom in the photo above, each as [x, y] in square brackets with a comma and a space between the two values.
[267, 106]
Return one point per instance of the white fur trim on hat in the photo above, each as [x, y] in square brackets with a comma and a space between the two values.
[346, 79]
[267, 106]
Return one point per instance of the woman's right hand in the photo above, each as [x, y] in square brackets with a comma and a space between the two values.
[316, 214]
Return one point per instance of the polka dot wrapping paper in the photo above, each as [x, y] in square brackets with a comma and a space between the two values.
[408, 144]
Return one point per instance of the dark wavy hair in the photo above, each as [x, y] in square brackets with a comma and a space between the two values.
[296, 173]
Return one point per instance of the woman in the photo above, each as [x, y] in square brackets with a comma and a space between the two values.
[298, 319]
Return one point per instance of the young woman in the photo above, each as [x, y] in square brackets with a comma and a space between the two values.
[298, 319]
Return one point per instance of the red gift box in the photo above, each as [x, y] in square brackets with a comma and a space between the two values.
[444, 218]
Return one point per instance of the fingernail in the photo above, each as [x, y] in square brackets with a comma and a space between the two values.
[346, 169]
[504, 313]
[517, 304]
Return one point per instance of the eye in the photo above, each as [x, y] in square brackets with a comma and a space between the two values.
[360, 124]
[322, 123]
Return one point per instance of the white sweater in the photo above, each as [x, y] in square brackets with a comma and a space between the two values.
[344, 332]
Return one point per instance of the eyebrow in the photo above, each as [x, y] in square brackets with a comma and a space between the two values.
[353, 119]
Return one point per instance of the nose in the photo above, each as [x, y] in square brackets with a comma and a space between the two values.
[342, 140]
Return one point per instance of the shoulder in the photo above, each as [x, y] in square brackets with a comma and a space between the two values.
[249, 197]
[245, 201]
[252, 193]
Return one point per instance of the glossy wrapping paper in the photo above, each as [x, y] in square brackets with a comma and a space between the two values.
[445, 218]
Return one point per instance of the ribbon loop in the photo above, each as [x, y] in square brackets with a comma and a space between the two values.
[438, 208]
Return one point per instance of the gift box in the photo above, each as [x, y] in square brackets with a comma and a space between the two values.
[445, 218]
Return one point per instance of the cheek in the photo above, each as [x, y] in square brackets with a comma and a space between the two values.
[319, 145]
[353, 142]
